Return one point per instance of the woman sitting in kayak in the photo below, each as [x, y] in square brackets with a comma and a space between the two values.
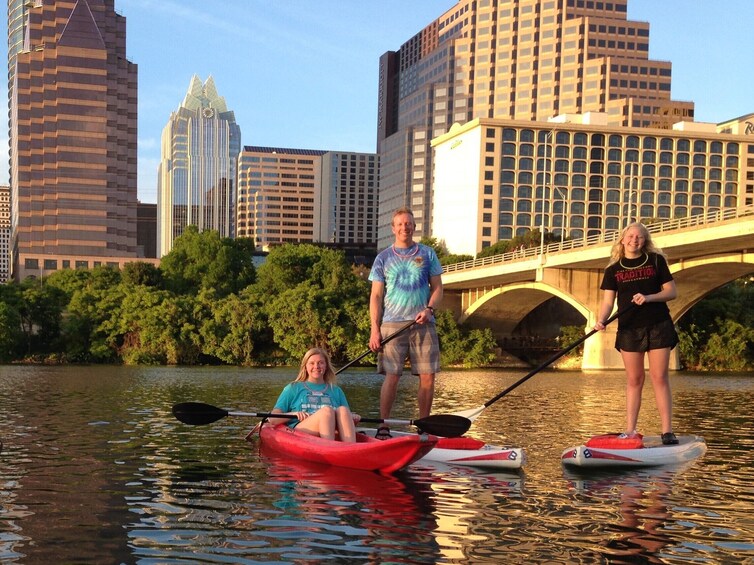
[320, 405]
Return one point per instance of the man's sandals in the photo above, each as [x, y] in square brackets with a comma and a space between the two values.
[383, 432]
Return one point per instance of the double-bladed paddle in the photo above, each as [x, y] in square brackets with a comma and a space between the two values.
[444, 425]
[473, 413]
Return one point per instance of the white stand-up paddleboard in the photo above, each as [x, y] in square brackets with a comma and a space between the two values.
[651, 453]
[469, 452]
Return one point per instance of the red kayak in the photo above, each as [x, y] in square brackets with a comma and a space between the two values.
[368, 454]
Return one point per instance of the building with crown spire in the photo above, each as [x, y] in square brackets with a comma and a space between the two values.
[196, 179]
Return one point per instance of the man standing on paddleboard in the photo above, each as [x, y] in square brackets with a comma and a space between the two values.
[406, 286]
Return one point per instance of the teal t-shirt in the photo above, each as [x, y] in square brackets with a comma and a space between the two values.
[405, 274]
[299, 396]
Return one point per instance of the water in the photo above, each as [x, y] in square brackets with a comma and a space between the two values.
[95, 469]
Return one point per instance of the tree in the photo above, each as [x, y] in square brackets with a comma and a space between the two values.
[472, 348]
[312, 297]
[41, 311]
[205, 260]
[141, 272]
[11, 337]
[233, 330]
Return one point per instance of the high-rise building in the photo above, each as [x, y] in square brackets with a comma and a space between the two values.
[277, 191]
[4, 233]
[347, 204]
[516, 60]
[73, 120]
[197, 173]
[146, 228]
[304, 195]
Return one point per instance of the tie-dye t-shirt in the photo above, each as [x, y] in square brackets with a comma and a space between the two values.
[405, 274]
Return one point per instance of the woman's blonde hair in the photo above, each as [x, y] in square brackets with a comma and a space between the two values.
[617, 252]
[329, 376]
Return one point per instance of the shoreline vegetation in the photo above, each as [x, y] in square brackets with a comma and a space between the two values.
[206, 304]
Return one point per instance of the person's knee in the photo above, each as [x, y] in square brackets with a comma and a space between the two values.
[327, 412]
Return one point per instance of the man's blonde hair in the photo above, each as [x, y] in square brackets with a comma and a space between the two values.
[403, 210]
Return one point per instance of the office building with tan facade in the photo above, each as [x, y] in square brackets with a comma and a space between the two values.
[576, 176]
[306, 196]
[4, 233]
[73, 134]
[513, 60]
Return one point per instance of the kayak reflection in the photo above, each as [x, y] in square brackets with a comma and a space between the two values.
[358, 515]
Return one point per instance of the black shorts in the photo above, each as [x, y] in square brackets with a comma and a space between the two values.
[658, 336]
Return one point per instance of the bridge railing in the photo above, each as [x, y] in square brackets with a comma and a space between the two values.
[606, 237]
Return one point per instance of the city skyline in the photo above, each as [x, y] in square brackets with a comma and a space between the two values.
[310, 51]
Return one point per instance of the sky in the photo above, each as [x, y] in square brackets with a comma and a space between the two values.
[303, 73]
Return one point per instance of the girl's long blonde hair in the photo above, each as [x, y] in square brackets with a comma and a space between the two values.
[617, 252]
[329, 377]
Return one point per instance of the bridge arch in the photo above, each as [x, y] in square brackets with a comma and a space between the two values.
[696, 278]
[505, 306]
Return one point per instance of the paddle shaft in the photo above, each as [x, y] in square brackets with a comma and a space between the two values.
[383, 342]
[555, 357]
[287, 415]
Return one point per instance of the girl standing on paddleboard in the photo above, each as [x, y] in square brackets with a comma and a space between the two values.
[638, 273]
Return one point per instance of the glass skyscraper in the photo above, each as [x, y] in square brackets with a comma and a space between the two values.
[196, 181]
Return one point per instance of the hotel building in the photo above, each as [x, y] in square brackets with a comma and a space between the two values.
[72, 136]
[512, 60]
[306, 196]
[497, 179]
[197, 173]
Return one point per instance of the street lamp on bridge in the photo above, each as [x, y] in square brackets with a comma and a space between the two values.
[551, 136]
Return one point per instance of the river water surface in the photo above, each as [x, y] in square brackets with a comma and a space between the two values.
[95, 469]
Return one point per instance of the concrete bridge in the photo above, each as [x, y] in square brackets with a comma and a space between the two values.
[704, 253]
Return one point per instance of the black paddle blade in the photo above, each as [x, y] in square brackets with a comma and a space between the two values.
[443, 425]
[198, 413]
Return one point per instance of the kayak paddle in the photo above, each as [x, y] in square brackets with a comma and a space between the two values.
[473, 413]
[444, 425]
[383, 342]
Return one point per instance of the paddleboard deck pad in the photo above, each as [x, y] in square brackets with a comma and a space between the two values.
[607, 451]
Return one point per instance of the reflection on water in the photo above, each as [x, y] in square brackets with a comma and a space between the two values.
[94, 469]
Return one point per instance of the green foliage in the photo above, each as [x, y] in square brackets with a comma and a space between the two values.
[140, 272]
[475, 348]
[41, 312]
[452, 259]
[570, 335]
[208, 306]
[231, 331]
[205, 260]
[310, 296]
[502, 246]
[11, 337]
[532, 238]
[728, 349]
[717, 333]
[439, 246]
